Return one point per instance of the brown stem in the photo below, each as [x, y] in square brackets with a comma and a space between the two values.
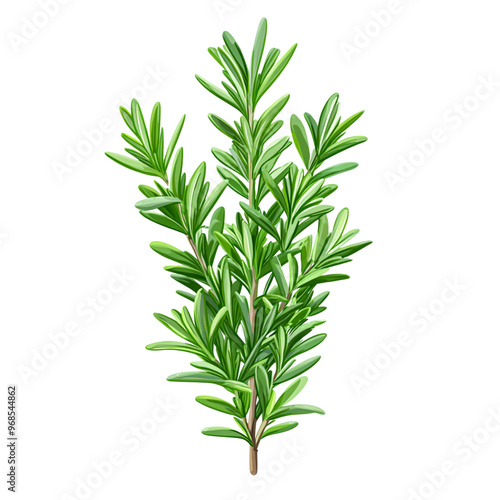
[262, 428]
[254, 465]
[253, 297]
[288, 296]
[251, 427]
[198, 256]
[250, 162]
[191, 242]
[252, 422]
[251, 412]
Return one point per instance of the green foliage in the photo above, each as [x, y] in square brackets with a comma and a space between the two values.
[252, 283]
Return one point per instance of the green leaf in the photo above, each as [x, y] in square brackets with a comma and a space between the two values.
[261, 220]
[308, 344]
[321, 237]
[223, 127]
[279, 276]
[234, 182]
[262, 385]
[342, 145]
[286, 411]
[217, 92]
[235, 51]
[210, 367]
[300, 139]
[325, 114]
[172, 253]
[275, 72]
[174, 346]
[258, 48]
[211, 201]
[208, 378]
[297, 370]
[270, 405]
[217, 321]
[291, 391]
[173, 141]
[350, 249]
[132, 164]
[218, 405]
[335, 170]
[224, 432]
[164, 221]
[157, 202]
[339, 226]
[278, 429]
[275, 190]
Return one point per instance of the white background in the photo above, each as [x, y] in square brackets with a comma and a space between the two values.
[63, 237]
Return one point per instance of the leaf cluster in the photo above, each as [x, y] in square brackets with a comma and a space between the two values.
[252, 284]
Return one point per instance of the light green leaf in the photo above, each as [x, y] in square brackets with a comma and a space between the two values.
[335, 170]
[279, 276]
[297, 370]
[291, 391]
[224, 432]
[157, 202]
[217, 321]
[173, 141]
[286, 411]
[300, 139]
[218, 405]
[261, 220]
[174, 346]
[132, 164]
[278, 429]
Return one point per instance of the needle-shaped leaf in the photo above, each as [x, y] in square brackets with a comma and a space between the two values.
[174, 346]
[132, 164]
[278, 429]
[208, 378]
[286, 411]
[218, 405]
[217, 321]
[210, 202]
[173, 141]
[300, 139]
[335, 170]
[157, 202]
[224, 432]
[217, 92]
[223, 126]
[261, 220]
[274, 188]
[297, 370]
[291, 391]
[258, 48]
[279, 276]
[276, 71]
[164, 221]
[262, 385]
[235, 51]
